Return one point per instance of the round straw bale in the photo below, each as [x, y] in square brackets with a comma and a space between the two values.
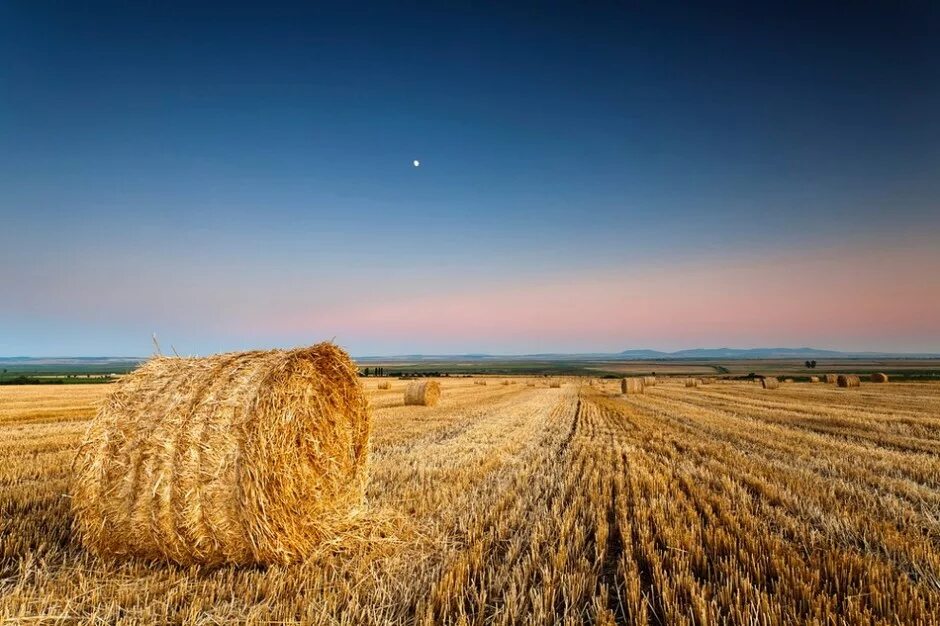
[770, 382]
[554, 384]
[423, 393]
[831, 379]
[649, 381]
[847, 380]
[814, 379]
[250, 457]
[879, 378]
[631, 385]
[384, 384]
[788, 380]
[692, 382]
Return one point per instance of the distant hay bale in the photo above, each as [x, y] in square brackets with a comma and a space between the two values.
[505, 382]
[631, 385]
[384, 384]
[649, 381]
[692, 382]
[480, 382]
[770, 382]
[554, 384]
[814, 379]
[245, 457]
[530, 384]
[846, 380]
[423, 393]
[788, 380]
[831, 379]
[879, 378]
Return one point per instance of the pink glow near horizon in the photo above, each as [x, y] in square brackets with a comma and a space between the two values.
[823, 299]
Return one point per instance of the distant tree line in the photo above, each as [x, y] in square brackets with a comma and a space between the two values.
[380, 371]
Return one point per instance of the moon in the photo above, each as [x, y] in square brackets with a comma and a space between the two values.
[416, 163]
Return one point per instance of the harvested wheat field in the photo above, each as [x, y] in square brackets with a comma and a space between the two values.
[542, 505]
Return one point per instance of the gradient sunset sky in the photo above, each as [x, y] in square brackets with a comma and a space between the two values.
[592, 179]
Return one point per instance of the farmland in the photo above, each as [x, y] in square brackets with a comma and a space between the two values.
[522, 503]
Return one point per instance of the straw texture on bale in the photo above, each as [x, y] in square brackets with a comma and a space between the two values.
[770, 382]
[879, 378]
[384, 384]
[631, 385]
[423, 393]
[846, 380]
[814, 379]
[249, 457]
[831, 379]
[692, 382]
[649, 381]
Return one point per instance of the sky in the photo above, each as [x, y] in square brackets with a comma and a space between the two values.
[593, 178]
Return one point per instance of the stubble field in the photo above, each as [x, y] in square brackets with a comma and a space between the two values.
[514, 503]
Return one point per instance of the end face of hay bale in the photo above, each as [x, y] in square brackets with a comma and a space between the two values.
[846, 380]
[770, 382]
[423, 393]
[631, 385]
[251, 457]
[879, 378]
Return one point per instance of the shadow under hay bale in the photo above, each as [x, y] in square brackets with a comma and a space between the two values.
[846, 380]
[631, 386]
[250, 457]
[423, 393]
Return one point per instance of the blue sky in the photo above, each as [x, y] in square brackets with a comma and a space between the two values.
[241, 176]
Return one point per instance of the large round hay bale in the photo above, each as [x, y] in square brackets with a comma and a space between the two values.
[814, 379]
[770, 382]
[384, 384]
[631, 385]
[423, 393]
[692, 382]
[879, 378]
[554, 384]
[249, 457]
[847, 380]
[649, 381]
[831, 379]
